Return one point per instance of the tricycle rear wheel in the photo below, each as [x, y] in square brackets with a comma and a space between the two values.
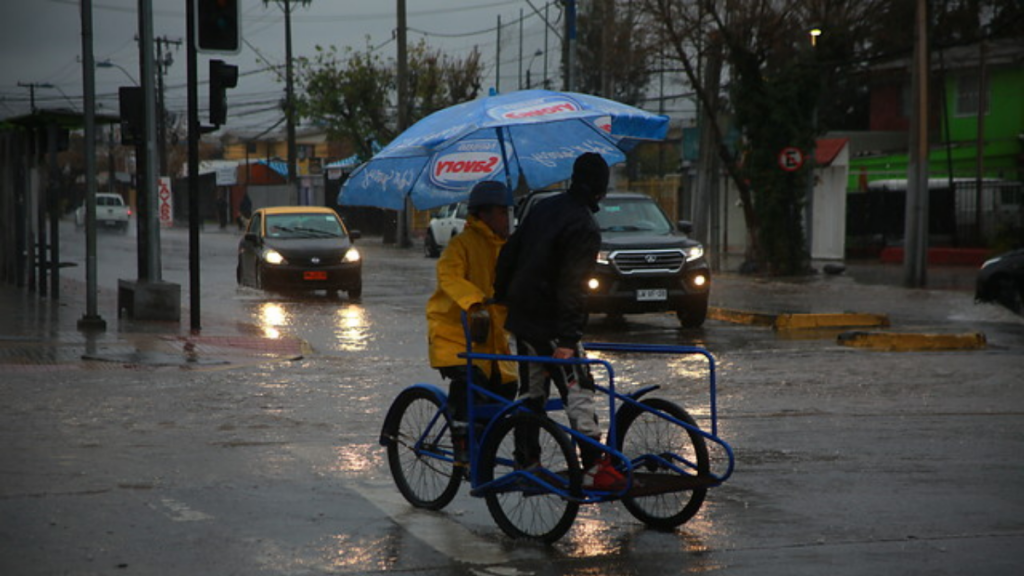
[642, 433]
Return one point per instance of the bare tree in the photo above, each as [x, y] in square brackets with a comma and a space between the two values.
[774, 78]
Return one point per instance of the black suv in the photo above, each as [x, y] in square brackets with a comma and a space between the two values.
[646, 264]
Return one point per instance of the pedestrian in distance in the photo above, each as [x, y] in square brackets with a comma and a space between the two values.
[540, 277]
[465, 284]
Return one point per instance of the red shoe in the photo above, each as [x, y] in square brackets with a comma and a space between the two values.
[604, 476]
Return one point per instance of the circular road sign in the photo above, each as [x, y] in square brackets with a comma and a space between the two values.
[791, 159]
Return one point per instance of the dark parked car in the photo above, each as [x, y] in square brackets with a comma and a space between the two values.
[300, 248]
[1001, 280]
[646, 263]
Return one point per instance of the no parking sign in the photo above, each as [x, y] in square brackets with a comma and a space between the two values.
[791, 158]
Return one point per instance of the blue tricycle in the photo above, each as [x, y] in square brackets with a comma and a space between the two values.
[654, 442]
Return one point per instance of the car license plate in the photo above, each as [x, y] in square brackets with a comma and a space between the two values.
[651, 295]
[314, 275]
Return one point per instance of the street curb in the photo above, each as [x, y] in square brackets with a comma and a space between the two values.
[785, 322]
[908, 342]
[814, 321]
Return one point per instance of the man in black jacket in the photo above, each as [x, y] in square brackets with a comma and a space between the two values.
[540, 277]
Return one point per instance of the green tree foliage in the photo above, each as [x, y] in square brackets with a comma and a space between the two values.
[353, 94]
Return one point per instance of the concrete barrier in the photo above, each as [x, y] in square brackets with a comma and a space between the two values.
[817, 321]
[741, 316]
[907, 342]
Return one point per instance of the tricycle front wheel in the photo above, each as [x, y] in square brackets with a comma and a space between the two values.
[648, 441]
[420, 454]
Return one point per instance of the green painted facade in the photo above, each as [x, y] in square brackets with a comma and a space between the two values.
[955, 143]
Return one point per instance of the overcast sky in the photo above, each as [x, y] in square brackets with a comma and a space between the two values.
[41, 43]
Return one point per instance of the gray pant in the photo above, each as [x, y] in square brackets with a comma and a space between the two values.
[575, 385]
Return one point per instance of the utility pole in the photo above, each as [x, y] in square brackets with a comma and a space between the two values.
[148, 187]
[162, 63]
[91, 320]
[32, 91]
[915, 241]
[570, 45]
[405, 217]
[520, 85]
[290, 98]
[497, 59]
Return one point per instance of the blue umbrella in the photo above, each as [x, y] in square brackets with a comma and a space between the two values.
[536, 134]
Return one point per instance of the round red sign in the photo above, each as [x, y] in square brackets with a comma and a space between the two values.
[791, 159]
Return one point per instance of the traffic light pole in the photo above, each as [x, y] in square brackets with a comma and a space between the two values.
[193, 168]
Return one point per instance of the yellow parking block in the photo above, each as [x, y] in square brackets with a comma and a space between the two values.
[897, 342]
[816, 321]
[741, 316]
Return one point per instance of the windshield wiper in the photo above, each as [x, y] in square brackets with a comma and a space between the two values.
[316, 232]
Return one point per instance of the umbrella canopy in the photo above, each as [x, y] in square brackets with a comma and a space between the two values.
[534, 134]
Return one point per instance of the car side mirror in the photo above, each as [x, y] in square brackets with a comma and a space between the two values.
[354, 234]
[685, 226]
[252, 238]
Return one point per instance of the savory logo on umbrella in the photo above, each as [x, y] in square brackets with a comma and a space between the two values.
[469, 161]
[535, 108]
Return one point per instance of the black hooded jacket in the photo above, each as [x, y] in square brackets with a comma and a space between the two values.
[542, 269]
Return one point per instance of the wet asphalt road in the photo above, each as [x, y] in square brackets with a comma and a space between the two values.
[848, 461]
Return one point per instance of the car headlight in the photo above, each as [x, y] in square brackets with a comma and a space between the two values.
[273, 257]
[602, 257]
[352, 255]
[694, 253]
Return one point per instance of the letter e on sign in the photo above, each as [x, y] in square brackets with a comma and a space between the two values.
[791, 159]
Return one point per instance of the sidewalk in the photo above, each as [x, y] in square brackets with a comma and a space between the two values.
[39, 334]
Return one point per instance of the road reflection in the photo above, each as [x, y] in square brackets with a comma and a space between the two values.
[352, 328]
[271, 318]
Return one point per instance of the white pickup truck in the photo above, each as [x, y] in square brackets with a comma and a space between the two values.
[111, 212]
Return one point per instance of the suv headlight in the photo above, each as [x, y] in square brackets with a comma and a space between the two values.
[273, 257]
[694, 253]
[602, 257]
[352, 255]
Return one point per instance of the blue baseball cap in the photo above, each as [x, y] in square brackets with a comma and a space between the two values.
[489, 193]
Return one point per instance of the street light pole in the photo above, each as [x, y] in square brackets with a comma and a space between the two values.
[111, 64]
[91, 320]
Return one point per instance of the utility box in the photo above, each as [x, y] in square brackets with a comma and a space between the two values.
[144, 300]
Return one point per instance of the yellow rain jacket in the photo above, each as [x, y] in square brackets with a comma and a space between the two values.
[465, 276]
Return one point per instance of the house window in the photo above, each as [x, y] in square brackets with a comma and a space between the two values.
[250, 147]
[306, 151]
[967, 95]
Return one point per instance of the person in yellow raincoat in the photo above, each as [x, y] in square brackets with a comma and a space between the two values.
[465, 283]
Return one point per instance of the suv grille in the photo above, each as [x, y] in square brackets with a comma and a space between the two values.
[648, 261]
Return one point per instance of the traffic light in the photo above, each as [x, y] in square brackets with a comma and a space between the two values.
[132, 113]
[222, 77]
[217, 25]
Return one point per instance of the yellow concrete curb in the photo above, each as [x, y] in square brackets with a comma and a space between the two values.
[813, 321]
[897, 342]
[741, 316]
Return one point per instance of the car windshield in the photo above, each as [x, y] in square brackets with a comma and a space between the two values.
[624, 215]
[303, 226]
